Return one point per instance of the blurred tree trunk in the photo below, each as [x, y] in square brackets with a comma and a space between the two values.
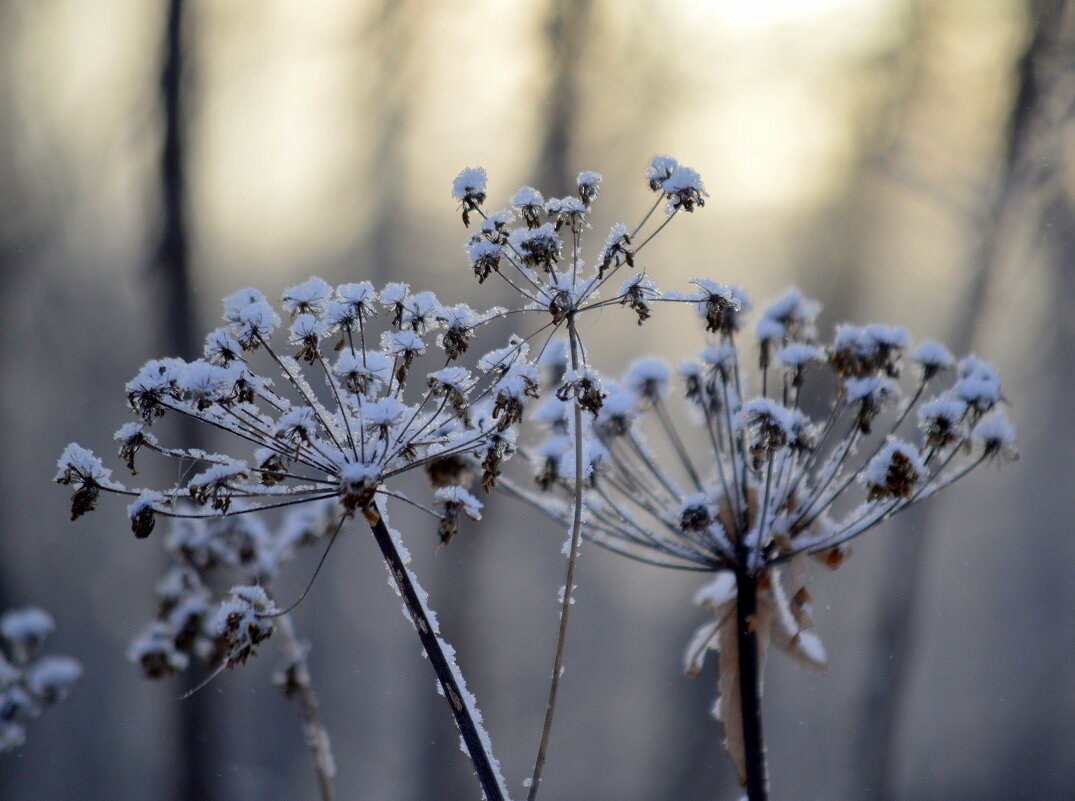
[195, 758]
[567, 30]
[1031, 154]
[391, 37]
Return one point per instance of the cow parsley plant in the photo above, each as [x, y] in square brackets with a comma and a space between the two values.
[750, 484]
[350, 405]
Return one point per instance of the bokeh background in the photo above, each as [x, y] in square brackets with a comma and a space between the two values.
[905, 161]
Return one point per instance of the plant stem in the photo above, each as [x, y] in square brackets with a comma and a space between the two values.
[757, 784]
[434, 647]
[565, 603]
[298, 686]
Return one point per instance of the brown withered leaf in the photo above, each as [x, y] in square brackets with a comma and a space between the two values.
[789, 634]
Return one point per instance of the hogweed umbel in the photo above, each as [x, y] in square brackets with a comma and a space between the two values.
[541, 261]
[30, 681]
[785, 476]
[373, 417]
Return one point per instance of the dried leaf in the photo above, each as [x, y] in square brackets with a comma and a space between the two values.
[788, 634]
[703, 640]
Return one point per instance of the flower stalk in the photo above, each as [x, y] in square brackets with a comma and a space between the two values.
[442, 660]
[569, 582]
[757, 780]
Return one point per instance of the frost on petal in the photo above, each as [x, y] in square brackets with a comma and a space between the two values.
[362, 373]
[718, 304]
[584, 385]
[358, 486]
[941, 419]
[932, 357]
[254, 324]
[527, 196]
[205, 384]
[569, 211]
[659, 170]
[470, 181]
[142, 513]
[519, 382]
[895, 472]
[871, 394]
[791, 317]
[306, 334]
[638, 292]
[499, 360]
[453, 502]
[404, 347]
[799, 354]
[459, 322]
[156, 652]
[589, 184]
[978, 385]
[618, 412]
[684, 190]
[862, 352]
[469, 189]
[51, 678]
[492, 227]
[649, 379]
[154, 384]
[420, 312]
[216, 485]
[79, 467]
[537, 247]
[24, 630]
[616, 250]
[484, 257]
[221, 347]
[996, 436]
[241, 622]
[237, 301]
[310, 297]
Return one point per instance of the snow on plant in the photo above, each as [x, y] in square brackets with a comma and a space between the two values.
[196, 621]
[373, 416]
[535, 246]
[784, 476]
[30, 682]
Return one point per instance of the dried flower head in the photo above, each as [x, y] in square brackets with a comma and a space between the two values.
[30, 682]
[541, 260]
[750, 487]
[368, 422]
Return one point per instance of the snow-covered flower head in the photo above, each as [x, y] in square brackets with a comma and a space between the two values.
[541, 257]
[746, 483]
[784, 483]
[30, 681]
[322, 427]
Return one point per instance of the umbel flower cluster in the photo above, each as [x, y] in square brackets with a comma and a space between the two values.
[365, 425]
[30, 681]
[751, 484]
[194, 622]
[376, 413]
[536, 245]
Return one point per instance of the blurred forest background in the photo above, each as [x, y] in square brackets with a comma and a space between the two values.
[904, 161]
